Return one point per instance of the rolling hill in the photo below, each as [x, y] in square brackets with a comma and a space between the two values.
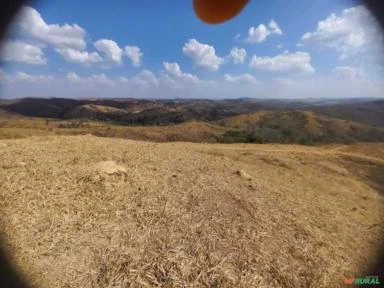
[296, 126]
[225, 121]
[162, 112]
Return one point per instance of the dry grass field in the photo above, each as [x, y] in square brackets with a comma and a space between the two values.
[22, 127]
[84, 211]
[286, 127]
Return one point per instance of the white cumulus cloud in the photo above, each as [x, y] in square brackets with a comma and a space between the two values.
[60, 36]
[203, 55]
[174, 70]
[241, 79]
[349, 33]
[134, 54]
[17, 51]
[299, 62]
[238, 55]
[69, 40]
[94, 79]
[107, 54]
[109, 48]
[146, 78]
[80, 57]
[262, 32]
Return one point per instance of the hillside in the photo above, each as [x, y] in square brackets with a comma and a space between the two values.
[369, 112]
[20, 127]
[131, 111]
[84, 211]
[291, 126]
[175, 111]
[296, 126]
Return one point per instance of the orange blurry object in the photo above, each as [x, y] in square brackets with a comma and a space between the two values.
[218, 11]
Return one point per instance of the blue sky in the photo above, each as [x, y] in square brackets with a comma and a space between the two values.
[159, 49]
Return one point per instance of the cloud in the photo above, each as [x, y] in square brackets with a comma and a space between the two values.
[299, 62]
[345, 72]
[69, 40]
[241, 79]
[100, 79]
[107, 54]
[348, 34]
[146, 81]
[32, 25]
[146, 78]
[134, 54]
[262, 32]
[112, 52]
[20, 52]
[166, 84]
[25, 77]
[238, 55]
[94, 79]
[73, 77]
[203, 55]
[80, 57]
[274, 27]
[174, 71]
[325, 87]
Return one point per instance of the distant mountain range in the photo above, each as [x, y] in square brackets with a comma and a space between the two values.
[235, 120]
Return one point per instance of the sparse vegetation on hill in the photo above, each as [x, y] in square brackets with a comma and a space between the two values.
[165, 112]
[131, 111]
[299, 127]
[367, 112]
[226, 121]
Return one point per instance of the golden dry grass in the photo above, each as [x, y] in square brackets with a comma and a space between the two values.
[312, 124]
[244, 120]
[22, 127]
[101, 108]
[83, 211]
[338, 125]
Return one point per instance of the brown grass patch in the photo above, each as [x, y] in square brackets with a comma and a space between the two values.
[83, 211]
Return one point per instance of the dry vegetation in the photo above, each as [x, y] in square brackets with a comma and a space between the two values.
[83, 211]
[22, 127]
[286, 127]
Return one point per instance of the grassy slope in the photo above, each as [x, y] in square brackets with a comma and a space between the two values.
[83, 211]
[303, 127]
[296, 126]
[20, 127]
